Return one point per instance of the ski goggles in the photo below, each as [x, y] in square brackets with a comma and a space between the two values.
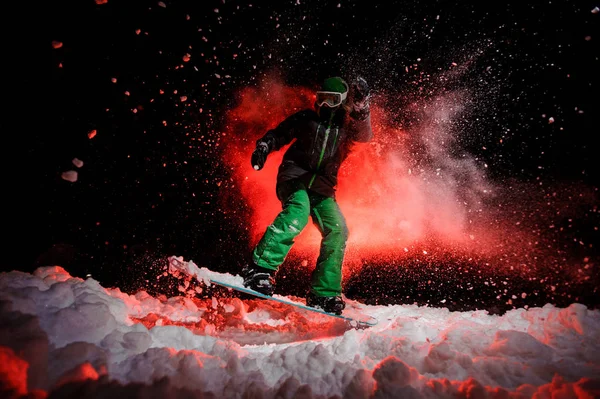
[330, 98]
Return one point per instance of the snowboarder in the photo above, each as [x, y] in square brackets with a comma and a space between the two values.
[306, 184]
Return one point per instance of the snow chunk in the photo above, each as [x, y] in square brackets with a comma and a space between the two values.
[70, 175]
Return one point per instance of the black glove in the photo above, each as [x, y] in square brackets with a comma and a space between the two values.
[259, 156]
[360, 94]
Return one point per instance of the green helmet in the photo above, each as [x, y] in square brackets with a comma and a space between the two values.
[336, 84]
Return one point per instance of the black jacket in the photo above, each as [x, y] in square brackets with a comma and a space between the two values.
[317, 153]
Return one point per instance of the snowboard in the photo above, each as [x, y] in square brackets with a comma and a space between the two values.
[351, 315]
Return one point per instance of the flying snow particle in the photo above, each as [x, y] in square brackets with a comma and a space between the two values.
[70, 175]
[77, 162]
[163, 5]
[596, 10]
[183, 99]
[551, 120]
[114, 80]
[92, 134]
[588, 38]
[101, 2]
[56, 44]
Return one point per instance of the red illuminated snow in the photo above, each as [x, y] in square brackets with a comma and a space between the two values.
[67, 336]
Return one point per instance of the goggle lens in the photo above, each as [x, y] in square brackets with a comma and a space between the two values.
[329, 98]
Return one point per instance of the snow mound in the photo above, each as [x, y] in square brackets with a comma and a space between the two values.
[62, 336]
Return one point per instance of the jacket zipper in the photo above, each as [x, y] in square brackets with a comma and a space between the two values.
[312, 179]
[337, 131]
[314, 144]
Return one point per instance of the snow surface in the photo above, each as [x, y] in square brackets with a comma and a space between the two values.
[62, 336]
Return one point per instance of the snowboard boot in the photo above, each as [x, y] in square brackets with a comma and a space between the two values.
[259, 279]
[330, 304]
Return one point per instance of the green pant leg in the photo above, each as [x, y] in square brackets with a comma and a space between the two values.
[327, 276]
[272, 249]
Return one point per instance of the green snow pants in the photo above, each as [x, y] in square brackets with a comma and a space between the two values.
[298, 204]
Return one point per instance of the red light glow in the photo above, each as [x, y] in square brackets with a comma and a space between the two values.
[399, 198]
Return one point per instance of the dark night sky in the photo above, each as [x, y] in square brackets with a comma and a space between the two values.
[521, 59]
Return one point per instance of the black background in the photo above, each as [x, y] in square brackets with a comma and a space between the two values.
[133, 204]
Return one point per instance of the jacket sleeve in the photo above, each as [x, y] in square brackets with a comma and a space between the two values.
[359, 126]
[281, 135]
